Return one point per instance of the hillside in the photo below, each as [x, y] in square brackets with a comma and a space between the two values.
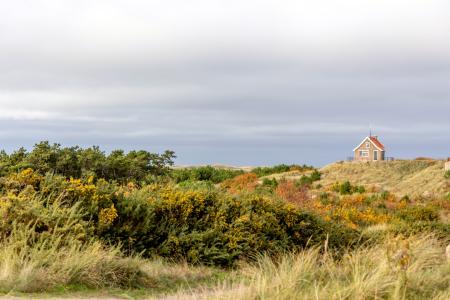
[402, 177]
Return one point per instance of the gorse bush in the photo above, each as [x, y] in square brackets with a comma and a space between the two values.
[419, 213]
[213, 228]
[199, 225]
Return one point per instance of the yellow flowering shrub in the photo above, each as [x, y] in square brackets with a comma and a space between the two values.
[15, 182]
[107, 215]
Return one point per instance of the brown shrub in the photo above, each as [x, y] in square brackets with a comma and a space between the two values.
[292, 193]
[241, 183]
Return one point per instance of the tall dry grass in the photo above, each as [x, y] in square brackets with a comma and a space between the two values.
[30, 263]
[397, 269]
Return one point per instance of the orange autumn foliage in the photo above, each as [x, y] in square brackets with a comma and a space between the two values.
[292, 193]
[241, 183]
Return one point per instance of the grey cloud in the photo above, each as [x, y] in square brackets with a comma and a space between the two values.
[254, 82]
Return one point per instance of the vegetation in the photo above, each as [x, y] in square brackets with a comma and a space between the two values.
[264, 171]
[212, 233]
[447, 174]
[77, 162]
[207, 173]
[412, 268]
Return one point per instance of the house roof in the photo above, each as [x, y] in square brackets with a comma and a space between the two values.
[374, 140]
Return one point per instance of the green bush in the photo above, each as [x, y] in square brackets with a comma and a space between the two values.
[418, 213]
[271, 183]
[359, 189]
[265, 171]
[316, 175]
[77, 162]
[215, 228]
[440, 230]
[447, 174]
[199, 224]
[309, 180]
[207, 173]
[346, 188]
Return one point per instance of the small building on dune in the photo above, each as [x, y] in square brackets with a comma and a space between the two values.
[370, 149]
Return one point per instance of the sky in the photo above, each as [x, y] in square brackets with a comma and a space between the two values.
[253, 82]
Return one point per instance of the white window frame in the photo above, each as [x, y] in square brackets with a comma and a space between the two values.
[377, 156]
[367, 144]
[364, 153]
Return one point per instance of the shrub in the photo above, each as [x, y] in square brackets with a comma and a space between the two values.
[241, 183]
[308, 180]
[316, 175]
[447, 174]
[418, 213]
[207, 173]
[271, 183]
[292, 193]
[359, 189]
[77, 162]
[265, 171]
[214, 228]
[346, 188]
[305, 181]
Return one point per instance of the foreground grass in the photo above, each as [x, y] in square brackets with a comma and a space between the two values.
[164, 279]
[397, 269]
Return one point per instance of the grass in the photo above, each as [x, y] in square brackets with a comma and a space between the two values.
[31, 263]
[393, 268]
[371, 272]
[403, 177]
[58, 265]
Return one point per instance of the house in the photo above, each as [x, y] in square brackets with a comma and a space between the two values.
[447, 165]
[370, 149]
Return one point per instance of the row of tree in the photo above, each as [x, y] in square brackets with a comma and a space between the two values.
[78, 162]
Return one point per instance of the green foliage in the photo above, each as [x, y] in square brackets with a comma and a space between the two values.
[346, 188]
[207, 173]
[419, 213]
[400, 227]
[305, 180]
[196, 224]
[270, 183]
[315, 175]
[77, 162]
[447, 174]
[265, 171]
[213, 228]
[309, 180]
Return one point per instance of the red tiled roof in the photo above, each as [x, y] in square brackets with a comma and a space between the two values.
[376, 142]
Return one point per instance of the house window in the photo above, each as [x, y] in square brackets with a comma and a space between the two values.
[367, 144]
[375, 155]
[364, 153]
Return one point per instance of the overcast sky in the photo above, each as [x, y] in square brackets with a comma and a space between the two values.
[247, 82]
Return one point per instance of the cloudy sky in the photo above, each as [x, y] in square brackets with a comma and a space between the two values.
[252, 82]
